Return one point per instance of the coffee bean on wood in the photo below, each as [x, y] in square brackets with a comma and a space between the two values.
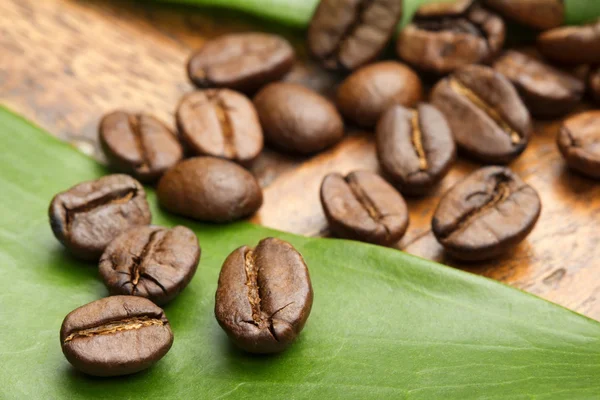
[486, 214]
[209, 189]
[363, 206]
[486, 115]
[297, 119]
[264, 296]
[369, 91]
[579, 143]
[221, 123]
[88, 216]
[242, 61]
[139, 144]
[415, 147]
[151, 261]
[547, 91]
[117, 335]
[445, 36]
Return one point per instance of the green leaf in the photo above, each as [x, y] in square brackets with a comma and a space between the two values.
[384, 324]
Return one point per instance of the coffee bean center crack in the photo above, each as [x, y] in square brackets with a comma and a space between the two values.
[221, 109]
[359, 18]
[138, 137]
[491, 112]
[114, 198]
[137, 269]
[126, 324]
[367, 203]
[417, 141]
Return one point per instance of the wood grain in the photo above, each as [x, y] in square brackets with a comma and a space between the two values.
[66, 62]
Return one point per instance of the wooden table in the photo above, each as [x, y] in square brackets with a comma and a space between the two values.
[64, 63]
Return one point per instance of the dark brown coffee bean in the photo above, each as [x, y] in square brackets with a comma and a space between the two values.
[579, 143]
[547, 91]
[347, 34]
[486, 116]
[264, 296]
[538, 14]
[594, 83]
[220, 123]
[486, 214]
[297, 119]
[362, 206]
[88, 216]
[572, 44]
[443, 37]
[415, 147]
[139, 145]
[368, 92]
[243, 61]
[117, 335]
[150, 261]
[209, 189]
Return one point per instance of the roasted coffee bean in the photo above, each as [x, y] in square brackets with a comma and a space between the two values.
[347, 34]
[415, 147]
[594, 83]
[139, 144]
[486, 116]
[538, 14]
[486, 214]
[572, 44]
[264, 296]
[547, 91]
[445, 36]
[244, 61]
[579, 143]
[151, 261]
[363, 206]
[366, 94]
[220, 123]
[209, 189]
[297, 119]
[88, 216]
[117, 335]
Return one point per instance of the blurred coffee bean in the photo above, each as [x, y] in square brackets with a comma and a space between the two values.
[579, 142]
[346, 34]
[369, 91]
[537, 14]
[572, 44]
[241, 61]
[415, 147]
[445, 36]
[486, 115]
[594, 83]
[547, 91]
[297, 119]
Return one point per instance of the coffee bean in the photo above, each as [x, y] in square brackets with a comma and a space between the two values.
[572, 44]
[486, 214]
[117, 335]
[362, 206]
[209, 189]
[347, 34]
[538, 14]
[486, 116]
[415, 147]
[243, 62]
[88, 216]
[297, 119]
[579, 142]
[220, 123]
[264, 296]
[151, 261]
[594, 83]
[366, 94]
[547, 91]
[138, 144]
[445, 36]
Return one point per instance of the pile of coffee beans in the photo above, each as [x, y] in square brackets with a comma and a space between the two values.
[480, 107]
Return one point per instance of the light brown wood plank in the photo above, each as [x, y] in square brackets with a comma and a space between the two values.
[66, 62]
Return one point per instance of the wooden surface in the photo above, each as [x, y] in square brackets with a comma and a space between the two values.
[64, 63]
